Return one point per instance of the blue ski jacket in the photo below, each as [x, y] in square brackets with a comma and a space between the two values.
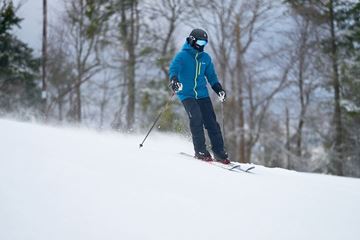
[193, 69]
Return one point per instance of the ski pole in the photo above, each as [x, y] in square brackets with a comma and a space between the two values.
[223, 121]
[157, 118]
[222, 96]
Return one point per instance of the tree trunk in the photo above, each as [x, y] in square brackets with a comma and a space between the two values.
[240, 91]
[130, 116]
[288, 159]
[129, 31]
[78, 101]
[44, 60]
[336, 165]
[302, 103]
[60, 107]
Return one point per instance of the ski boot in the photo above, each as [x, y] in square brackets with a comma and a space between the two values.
[221, 157]
[204, 156]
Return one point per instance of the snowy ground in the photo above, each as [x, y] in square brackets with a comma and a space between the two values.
[78, 184]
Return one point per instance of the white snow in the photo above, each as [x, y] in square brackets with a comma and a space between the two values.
[80, 184]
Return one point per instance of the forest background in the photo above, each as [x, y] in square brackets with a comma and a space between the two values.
[290, 69]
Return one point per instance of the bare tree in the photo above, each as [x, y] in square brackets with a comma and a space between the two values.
[127, 19]
[305, 44]
[323, 14]
[84, 34]
[168, 14]
[60, 75]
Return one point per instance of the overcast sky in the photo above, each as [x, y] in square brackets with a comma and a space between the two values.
[31, 27]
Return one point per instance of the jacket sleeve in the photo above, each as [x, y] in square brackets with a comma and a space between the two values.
[210, 73]
[175, 67]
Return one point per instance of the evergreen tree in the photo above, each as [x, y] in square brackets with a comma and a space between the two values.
[349, 22]
[18, 68]
[333, 14]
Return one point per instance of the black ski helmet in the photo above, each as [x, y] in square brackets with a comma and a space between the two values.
[197, 34]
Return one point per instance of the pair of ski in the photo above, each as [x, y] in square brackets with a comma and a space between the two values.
[236, 167]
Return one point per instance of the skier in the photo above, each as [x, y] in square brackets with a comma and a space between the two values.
[190, 70]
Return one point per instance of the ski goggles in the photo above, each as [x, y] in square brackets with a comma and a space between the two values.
[201, 42]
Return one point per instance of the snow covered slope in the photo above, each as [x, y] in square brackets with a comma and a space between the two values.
[71, 184]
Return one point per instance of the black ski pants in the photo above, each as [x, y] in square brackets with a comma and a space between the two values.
[201, 114]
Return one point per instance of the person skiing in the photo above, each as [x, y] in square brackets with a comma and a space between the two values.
[189, 72]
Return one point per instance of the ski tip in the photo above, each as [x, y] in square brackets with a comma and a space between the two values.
[249, 169]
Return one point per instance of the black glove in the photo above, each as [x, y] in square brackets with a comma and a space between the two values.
[219, 91]
[175, 85]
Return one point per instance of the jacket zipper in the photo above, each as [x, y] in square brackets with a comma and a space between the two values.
[197, 72]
